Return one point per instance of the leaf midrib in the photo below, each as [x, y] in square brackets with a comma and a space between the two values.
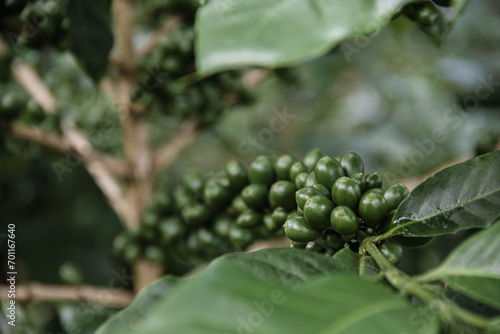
[443, 211]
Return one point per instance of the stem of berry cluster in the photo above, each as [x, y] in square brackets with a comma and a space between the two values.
[407, 286]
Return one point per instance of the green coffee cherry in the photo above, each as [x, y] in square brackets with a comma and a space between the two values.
[298, 229]
[412, 241]
[205, 237]
[262, 171]
[216, 194]
[195, 214]
[312, 157]
[249, 218]
[282, 194]
[395, 194]
[120, 242]
[298, 245]
[427, 14]
[372, 209]
[222, 225]
[171, 228]
[327, 171]
[255, 196]
[271, 224]
[314, 246]
[331, 240]
[391, 250]
[344, 221]
[237, 174]
[132, 252]
[352, 164]
[280, 215]
[310, 180]
[302, 195]
[378, 191]
[296, 169]
[154, 253]
[324, 190]
[240, 237]
[183, 196]
[300, 180]
[345, 192]
[192, 243]
[317, 210]
[222, 178]
[238, 204]
[373, 180]
[359, 178]
[282, 167]
[194, 181]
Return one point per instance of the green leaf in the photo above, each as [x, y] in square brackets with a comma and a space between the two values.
[90, 35]
[229, 298]
[237, 33]
[474, 267]
[462, 196]
[131, 317]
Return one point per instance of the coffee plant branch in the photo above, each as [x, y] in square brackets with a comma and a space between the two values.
[27, 77]
[410, 287]
[102, 296]
[73, 141]
[139, 188]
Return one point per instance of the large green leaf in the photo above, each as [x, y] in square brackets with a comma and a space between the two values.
[129, 319]
[229, 298]
[463, 196]
[238, 33]
[474, 267]
[90, 35]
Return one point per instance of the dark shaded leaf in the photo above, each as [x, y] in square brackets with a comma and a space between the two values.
[90, 34]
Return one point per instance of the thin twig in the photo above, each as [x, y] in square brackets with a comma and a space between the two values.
[39, 136]
[167, 152]
[103, 296]
[27, 77]
[60, 144]
[154, 38]
[79, 143]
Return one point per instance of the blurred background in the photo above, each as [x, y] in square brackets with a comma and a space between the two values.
[407, 106]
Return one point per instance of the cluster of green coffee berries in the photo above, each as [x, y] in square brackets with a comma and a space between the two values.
[173, 59]
[426, 13]
[334, 200]
[42, 22]
[204, 217]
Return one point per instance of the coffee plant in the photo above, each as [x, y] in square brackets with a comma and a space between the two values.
[306, 240]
